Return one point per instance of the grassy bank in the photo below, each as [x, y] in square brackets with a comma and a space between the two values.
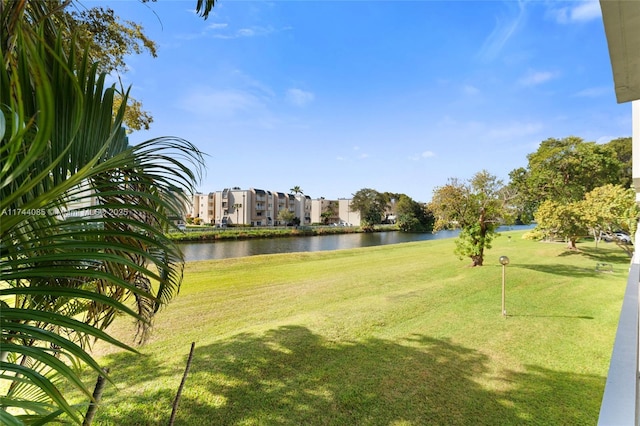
[244, 233]
[404, 334]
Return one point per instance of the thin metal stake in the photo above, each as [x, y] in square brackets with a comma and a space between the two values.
[174, 410]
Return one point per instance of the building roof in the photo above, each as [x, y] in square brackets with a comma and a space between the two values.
[622, 27]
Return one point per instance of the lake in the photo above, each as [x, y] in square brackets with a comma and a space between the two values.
[240, 248]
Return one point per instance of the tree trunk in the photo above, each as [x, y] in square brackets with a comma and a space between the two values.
[572, 244]
[174, 409]
[97, 396]
[477, 260]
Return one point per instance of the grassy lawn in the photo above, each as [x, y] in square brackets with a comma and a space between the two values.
[394, 335]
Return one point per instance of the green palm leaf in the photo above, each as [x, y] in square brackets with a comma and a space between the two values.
[67, 270]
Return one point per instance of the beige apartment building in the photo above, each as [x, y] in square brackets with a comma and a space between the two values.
[258, 207]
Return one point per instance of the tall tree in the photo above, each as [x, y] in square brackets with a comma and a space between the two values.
[330, 213]
[563, 170]
[610, 209]
[109, 40]
[623, 149]
[372, 205]
[604, 211]
[477, 207]
[296, 190]
[413, 216]
[524, 201]
[562, 220]
[286, 217]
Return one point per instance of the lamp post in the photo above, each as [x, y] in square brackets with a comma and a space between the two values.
[504, 261]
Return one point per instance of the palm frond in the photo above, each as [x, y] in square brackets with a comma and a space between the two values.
[67, 273]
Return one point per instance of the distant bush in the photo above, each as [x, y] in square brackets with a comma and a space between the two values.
[533, 235]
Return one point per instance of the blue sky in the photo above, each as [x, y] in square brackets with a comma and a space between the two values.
[399, 96]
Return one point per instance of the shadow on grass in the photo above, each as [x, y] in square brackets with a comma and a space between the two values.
[560, 269]
[608, 255]
[552, 316]
[600, 254]
[290, 376]
[615, 258]
[131, 373]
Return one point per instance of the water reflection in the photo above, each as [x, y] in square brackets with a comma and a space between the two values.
[241, 248]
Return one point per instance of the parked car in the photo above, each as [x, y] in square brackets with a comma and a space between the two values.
[618, 236]
[622, 237]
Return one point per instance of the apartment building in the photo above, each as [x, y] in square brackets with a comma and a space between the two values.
[258, 207]
[302, 208]
[199, 208]
[345, 214]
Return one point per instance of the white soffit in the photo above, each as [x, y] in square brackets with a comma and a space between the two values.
[622, 27]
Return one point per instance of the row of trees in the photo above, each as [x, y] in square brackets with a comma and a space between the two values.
[606, 211]
[570, 187]
[564, 170]
[376, 207]
[66, 270]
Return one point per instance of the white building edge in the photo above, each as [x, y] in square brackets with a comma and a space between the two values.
[620, 402]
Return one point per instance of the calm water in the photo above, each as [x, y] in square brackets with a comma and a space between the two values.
[229, 249]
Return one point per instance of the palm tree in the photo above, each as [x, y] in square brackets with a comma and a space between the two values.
[84, 216]
[296, 190]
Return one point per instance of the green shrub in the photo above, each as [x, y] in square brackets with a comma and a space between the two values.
[534, 235]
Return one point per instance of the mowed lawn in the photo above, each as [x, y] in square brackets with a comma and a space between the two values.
[406, 334]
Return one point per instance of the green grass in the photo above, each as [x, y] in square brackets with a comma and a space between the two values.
[394, 335]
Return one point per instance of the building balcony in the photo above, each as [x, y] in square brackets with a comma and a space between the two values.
[620, 401]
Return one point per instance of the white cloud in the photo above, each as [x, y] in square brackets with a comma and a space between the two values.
[220, 103]
[217, 26]
[357, 155]
[581, 11]
[586, 11]
[361, 156]
[533, 78]
[502, 32]
[593, 92]
[470, 90]
[425, 154]
[242, 79]
[447, 120]
[246, 32]
[255, 31]
[299, 97]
